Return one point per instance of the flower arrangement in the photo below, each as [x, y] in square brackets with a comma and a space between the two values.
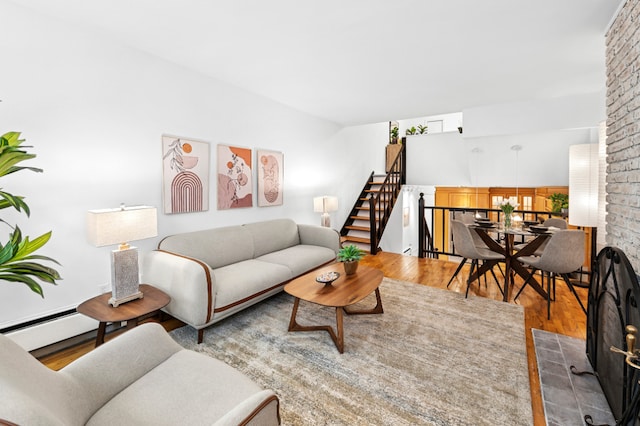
[507, 208]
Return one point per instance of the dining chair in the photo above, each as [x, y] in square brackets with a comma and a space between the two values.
[563, 254]
[468, 218]
[466, 247]
[551, 222]
[555, 222]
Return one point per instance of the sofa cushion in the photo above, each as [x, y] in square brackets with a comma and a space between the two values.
[244, 279]
[273, 235]
[216, 247]
[301, 258]
[188, 389]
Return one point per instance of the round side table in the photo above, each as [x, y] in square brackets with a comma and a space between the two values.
[99, 309]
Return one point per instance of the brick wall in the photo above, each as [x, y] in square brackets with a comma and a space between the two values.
[623, 132]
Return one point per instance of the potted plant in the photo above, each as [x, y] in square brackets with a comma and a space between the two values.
[559, 202]
[18, 263]
[422, 129]
[394, 135]
[350, 256]
[411, 131]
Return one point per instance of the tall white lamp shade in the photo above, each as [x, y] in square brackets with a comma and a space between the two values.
[325, 205]
[583, 185]
[119, 226]
[584, 171]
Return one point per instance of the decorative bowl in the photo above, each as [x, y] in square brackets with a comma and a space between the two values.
[328, 277]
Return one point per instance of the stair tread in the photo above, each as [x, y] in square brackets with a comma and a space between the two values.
[358, 228]
[357, 239]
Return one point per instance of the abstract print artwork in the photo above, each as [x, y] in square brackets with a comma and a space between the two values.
[270, 178]
[185, 166]
[234, 177]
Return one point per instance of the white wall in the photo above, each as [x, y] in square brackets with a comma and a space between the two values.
[95, 112]
[448, 159]
[534, 116]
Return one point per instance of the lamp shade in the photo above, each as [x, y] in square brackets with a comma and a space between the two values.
[583, 185]
[116, 226]
[325, 204]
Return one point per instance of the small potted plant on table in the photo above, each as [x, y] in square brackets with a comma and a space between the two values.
[350, 256]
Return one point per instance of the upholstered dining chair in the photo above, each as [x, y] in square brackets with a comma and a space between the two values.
[550, 222]
[555, 222]
[468, 218]
[466, 247]
[563, 254]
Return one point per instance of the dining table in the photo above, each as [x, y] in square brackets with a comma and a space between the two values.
[504, 244]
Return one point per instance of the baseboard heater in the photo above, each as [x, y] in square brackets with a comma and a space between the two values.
[42, 332]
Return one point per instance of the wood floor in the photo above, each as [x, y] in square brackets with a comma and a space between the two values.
[566, 316]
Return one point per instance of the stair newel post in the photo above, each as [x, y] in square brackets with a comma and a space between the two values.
[373, 232]
[421, 224]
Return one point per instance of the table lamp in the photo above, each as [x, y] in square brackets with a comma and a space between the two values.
[119, 226]
[324, 205]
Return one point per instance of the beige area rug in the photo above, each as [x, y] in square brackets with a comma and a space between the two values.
[432, 358]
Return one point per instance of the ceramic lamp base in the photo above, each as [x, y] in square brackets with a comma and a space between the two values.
[124, 276]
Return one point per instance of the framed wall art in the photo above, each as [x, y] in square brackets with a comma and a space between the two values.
[185, 171]
[234, 177]
[270, 178]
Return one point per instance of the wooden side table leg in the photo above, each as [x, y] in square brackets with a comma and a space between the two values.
[101, 330]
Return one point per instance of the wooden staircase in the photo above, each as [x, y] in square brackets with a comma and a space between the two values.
[370, 213]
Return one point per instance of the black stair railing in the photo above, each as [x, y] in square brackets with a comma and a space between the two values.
[379, 202]
[382, 201]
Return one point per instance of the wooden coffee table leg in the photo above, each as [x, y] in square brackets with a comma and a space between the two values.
[376, 310]
[338, 339]
[293, 325]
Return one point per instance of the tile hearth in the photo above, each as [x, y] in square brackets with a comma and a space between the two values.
[567, 398]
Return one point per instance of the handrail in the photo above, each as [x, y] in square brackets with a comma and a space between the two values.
[388, 192]
[427, 247]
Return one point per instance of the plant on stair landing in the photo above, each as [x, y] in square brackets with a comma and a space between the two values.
[17, 261]
[350, 256]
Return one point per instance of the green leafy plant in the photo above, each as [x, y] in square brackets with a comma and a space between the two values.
[394, 135]
[422, 129]
[412, 131]
[350, 253]
[558, 202]
[18, 263]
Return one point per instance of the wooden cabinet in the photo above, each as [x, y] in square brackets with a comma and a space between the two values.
[532, 199]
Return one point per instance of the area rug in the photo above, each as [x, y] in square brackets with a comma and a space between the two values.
[432, 358]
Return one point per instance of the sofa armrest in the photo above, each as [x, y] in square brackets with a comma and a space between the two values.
[190, 283]
[122, 360]
[262, 408]
[319, 236]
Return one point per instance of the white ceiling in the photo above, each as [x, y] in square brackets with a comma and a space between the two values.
[366, 61]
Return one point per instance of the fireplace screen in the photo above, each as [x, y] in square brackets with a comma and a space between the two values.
[614, 295]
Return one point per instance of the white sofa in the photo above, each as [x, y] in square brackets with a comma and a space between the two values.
[214, 273]
[141, 377]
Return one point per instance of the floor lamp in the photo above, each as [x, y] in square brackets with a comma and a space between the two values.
[119, 226]
[583, 191]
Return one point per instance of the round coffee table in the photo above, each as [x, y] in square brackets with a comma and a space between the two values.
[99, 309]
[345, 291]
